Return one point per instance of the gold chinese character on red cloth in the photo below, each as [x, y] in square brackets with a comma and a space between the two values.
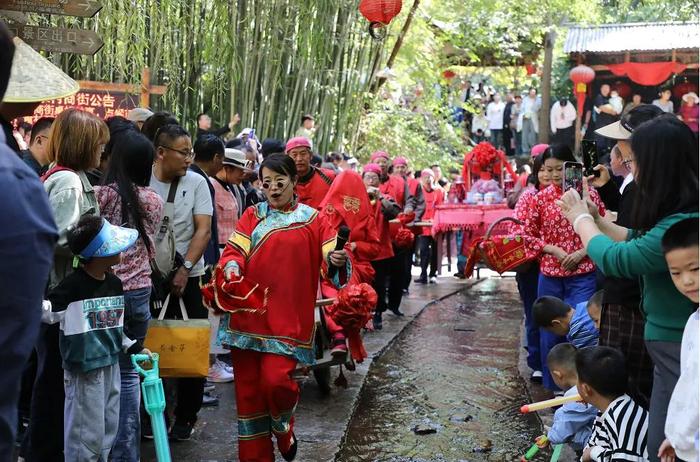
[351, 204]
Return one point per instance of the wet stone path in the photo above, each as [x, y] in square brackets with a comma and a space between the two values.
[448, 389]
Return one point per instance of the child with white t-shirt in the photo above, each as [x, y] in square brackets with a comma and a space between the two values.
[680, 246]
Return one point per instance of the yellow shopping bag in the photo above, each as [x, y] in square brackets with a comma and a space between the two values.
[183, 344]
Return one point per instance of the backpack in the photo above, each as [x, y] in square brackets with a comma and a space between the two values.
[164, 262]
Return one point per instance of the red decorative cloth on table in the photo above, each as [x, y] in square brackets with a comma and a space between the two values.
[544, 224]
[352, 311]
[313, 187]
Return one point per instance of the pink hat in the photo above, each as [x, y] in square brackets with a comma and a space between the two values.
[297, 142]
[377, 154]
[538, 149]
[400, 161]
[372, 168]
[427, 172]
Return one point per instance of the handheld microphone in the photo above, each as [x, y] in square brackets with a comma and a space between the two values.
[340, 241]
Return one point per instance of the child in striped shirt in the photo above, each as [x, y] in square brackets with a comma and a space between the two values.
[620, 431]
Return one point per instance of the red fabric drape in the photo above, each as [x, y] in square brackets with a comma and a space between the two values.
[647, 73]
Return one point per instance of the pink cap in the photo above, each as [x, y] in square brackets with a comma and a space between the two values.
[427, 172]
[400, 161]
[297, 142]
[377, 154]
[538, 149]
[372, 168]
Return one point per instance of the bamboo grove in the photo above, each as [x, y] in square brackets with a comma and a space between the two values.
[268, 60]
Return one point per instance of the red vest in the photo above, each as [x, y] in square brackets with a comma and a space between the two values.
[395, 187]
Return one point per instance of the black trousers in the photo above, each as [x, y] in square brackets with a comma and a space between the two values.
[408, 266]
[189, 390]
[507, 141]
[44, 439]
[427, 246]
[389, 282]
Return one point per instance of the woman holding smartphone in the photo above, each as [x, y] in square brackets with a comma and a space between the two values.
[566, 272]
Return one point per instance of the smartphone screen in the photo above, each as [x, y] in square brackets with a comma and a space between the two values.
[573, 177]
[590, 157]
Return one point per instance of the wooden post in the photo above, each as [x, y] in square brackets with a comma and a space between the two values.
[145, 99]
[549, 38]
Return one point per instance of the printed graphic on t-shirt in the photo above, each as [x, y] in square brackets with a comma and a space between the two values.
[94, 314]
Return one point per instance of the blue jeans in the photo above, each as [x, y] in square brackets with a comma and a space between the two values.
[527, 286]
[573, 290]
[136, 316]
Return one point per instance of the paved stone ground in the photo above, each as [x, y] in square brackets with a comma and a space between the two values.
[321, 421]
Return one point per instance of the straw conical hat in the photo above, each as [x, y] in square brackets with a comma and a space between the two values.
[34, 78]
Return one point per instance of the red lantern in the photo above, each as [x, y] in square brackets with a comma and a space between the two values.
[380, 12]
[531, 69]
[581, 76]
[623, 89]
[682, 88]
[448, 74]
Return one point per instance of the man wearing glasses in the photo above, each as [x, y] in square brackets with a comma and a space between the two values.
[35, 156]
[192, 215]
[622, 323]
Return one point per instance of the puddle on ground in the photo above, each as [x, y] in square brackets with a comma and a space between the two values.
[448, 389]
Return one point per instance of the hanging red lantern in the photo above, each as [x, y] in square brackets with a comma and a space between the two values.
[684, 87]
[623, 89]
[531, 69]
[379, 13]
[448, 74]
[581, 76]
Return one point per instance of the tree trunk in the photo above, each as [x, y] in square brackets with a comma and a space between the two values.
[549, 38]
[397, 46]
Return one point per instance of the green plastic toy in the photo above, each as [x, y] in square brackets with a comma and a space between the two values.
[154, 402]
[556, 453]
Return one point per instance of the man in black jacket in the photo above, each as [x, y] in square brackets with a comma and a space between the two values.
[622, 322]
[204, 126]
[507, 133]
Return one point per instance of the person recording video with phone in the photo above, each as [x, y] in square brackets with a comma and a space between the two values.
[565, 270]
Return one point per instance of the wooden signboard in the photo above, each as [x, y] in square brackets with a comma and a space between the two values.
[78, 41]
[104, 104]
[80, 8]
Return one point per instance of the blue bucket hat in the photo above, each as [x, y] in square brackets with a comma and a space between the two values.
[110, 241]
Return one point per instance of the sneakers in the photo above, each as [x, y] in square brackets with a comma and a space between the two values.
[338, 346]
[396, 311]
[209, 400]
[208, 387]
[536, 377]
[433, 280]
[421, 280]
[219, 374]
[181, 431]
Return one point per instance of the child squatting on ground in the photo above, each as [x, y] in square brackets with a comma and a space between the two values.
[680, 246]
[620, 430]
[557, 317]
[89, 304]
[573, 422]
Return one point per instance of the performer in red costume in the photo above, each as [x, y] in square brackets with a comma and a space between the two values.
[314, 183]
[426, 243]
[266, 283]
[347, 203]
[390, 184]
[384, 208]
[416, 204]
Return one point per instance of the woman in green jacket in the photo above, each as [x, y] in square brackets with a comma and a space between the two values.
[664, 161]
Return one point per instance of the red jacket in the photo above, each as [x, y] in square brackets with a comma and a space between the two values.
[434, 197]
[396, 188]
[312, 188]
